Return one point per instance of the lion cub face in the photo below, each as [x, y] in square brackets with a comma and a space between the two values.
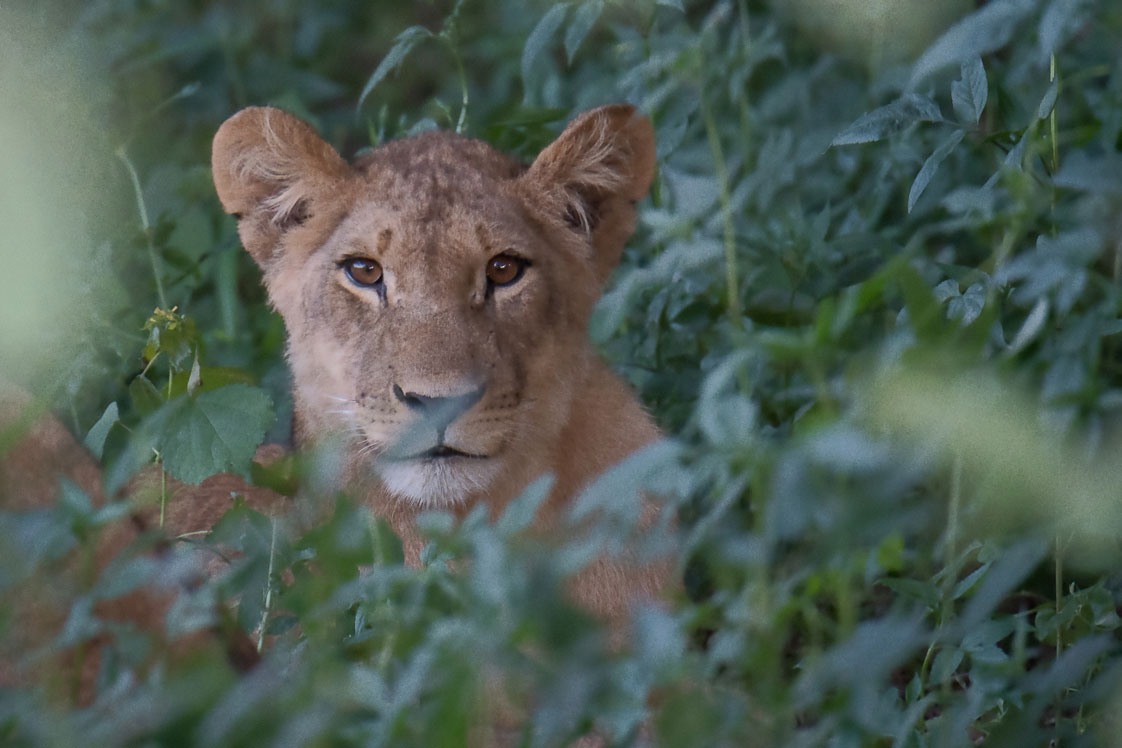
[435, 292]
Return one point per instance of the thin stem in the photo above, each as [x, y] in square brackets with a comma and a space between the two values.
[950, 558]
[732, 282]
[1057, 705]
[1052, 136]
[463, 87]
[1059, 593]
[268, 588]
[163, 489]
[144, 223]
[1052, 117]
[450, 34]
[954, 504]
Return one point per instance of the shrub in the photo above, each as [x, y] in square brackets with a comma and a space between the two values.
[874, 300]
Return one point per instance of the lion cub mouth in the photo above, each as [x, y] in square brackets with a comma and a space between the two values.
[437, 477]
[442, 452]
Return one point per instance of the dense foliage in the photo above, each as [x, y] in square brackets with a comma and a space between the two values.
[874, 299]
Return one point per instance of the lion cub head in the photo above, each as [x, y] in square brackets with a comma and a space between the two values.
[436, 292]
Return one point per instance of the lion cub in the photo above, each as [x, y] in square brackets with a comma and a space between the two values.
[436, 295]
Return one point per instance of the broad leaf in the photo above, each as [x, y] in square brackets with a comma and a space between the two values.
[888, 119]
[218, 431]
[969, 93]
[931, 165]
[95, 439]
[403, 45]
[584, 19]
[537, 41]
[983, 31]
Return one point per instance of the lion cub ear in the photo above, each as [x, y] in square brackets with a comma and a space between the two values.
[269, 169]
[593, 174]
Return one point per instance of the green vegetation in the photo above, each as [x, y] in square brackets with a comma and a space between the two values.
[875, 299]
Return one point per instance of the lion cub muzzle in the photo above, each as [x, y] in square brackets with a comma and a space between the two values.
[434, 415]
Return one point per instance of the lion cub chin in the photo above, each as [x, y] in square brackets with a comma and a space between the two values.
[436, 295]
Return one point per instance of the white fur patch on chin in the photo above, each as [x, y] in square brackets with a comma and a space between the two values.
[440, 483]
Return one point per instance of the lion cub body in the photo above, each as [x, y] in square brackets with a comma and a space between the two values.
[447, 385]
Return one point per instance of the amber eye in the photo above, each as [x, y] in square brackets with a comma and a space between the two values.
[504, 269]
[363, 272]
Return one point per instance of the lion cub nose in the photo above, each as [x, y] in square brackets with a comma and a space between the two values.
[441, 411]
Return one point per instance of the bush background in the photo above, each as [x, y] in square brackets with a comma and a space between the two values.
[874, 297]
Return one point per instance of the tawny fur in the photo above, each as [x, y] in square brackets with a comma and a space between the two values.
[432, 211]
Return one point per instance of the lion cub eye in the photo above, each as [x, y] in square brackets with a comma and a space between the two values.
[504, 269]
[362, 272]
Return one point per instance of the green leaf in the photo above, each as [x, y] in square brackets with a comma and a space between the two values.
[208, 378]
[1048, 101]
[75, 502]
[969, 93]
[888, 119]
[537, 41]
[403, 45]
[281, 475]
[144, 395]
[983, 31]
[95, 439]
[218, 431]
[1101, 173]
[587, 13]
[344, 542]
[172, 334]
[945, 664]
[1061, 20]
[194, 379]
[967, 583]
[388, 549]
[520, 513]
[923, 309]
[931, 165]
[193, 234]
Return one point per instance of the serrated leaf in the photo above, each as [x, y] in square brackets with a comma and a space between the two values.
[402, 46]
[931, 165]
[970, 92]
[982, 31]
[218, 431]
[888, 119]
[585, 17]
[95, 439]
[537, 41]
